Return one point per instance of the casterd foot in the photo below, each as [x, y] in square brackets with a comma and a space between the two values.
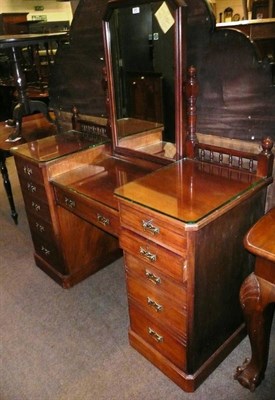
[248, 375]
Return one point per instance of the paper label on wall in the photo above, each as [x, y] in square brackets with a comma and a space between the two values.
[164, 18]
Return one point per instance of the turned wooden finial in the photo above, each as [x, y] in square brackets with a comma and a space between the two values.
[266, 159]
[192, 90]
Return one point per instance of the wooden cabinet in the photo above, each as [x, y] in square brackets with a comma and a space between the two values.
[185, 263]
[52, 227]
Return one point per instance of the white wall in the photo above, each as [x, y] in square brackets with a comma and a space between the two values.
[55, 11]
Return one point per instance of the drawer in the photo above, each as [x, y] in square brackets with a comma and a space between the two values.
[162, 308]
[34, 189]
[37, 207]
[92, 211]
[40, 227]
[29, 170]
[145, 250]
[162, 230]
[157, 337]
[155, 278]
[49, 252]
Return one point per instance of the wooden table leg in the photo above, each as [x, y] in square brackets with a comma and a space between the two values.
[257, 297]
[7, 185]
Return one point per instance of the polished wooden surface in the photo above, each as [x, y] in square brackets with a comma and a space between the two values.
[260, 240]
[99, 180]
[192, 190]
[257, 297]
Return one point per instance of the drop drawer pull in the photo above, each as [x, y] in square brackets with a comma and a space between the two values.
[36, 206]
[150, 256]
[103, 220]
[158, 338]
[69, 203]
[152, 277]
[39, 227]
[152, 303]
[45, 250]
[31, 187]
[27, 170]
[148, 226]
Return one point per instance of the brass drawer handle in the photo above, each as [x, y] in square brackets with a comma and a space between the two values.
[158, 338]
[39, 227]
[69, 202]
[152, 303]
[152, 277]
[31, 187]
[150, 256]
[148, 226]
[36, 206]
[45, 250]
[27, 171]
[103, 220]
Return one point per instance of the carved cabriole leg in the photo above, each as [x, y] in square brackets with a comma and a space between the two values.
[256, 296]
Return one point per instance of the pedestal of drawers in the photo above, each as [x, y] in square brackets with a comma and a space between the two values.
[182, 283]
[69, 246]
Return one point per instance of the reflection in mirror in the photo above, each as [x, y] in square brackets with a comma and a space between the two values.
[144, 67]
[227, 11]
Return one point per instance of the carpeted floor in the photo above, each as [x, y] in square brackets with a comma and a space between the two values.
[72, 344]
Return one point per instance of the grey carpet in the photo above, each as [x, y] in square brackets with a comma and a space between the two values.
[72, 344]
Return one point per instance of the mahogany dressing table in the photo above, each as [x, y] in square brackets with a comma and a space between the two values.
[180, 220]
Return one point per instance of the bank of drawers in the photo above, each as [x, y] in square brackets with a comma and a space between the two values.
[38, 212]
[92, 211]
[156, 273]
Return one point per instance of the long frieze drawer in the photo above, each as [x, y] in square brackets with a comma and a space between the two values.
[37, 207]
[157, 337]
[49, 252]
[155, 278]
[28, 170]
[32, 188]
[89, 209]
[161, 258]
[162, 230]
[159, 306]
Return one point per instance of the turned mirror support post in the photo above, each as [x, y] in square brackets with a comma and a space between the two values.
[192, 90]
[107, 101]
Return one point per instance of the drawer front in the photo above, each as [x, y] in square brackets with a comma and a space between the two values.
[29, 170]
[153, 227]
[41, 228]
[158, 305]
[33, 189]
[49, 252]
[145, 250]
[157, 337]
[37, 207]
[90, 210]
[149, 275]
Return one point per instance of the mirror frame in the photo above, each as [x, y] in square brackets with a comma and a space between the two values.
[180, 39]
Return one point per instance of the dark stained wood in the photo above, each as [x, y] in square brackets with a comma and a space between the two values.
[170, 228]
[257, 296]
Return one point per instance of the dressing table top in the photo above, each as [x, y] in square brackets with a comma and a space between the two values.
[190, 190]
[54, 147]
